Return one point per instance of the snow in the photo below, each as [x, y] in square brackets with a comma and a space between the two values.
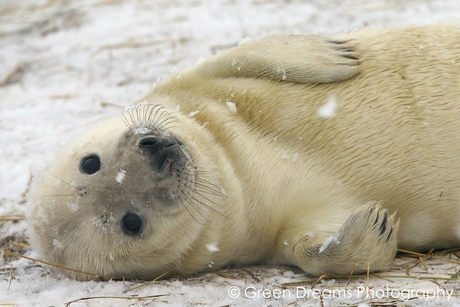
[192, 114]
[245, 40]
[294, 157]
[231, 107]
[65, 64]
[142, 131]
[327, 110]
[326, 243]
[212, 247]
[120, 176]
[73, 207]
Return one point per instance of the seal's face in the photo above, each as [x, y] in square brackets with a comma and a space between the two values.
[124, 195]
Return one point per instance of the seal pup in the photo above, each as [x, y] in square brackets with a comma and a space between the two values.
[323, 152]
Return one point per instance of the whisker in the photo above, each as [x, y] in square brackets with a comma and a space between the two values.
[209, 190]
[206, 185]
[67, 183]
[127, 118]
[168, 121]
[200, 179]
[198, 201]
[209, 183]
[161, 115]
[202, 172]
[150, 113]
[171, 126]
[57, 195]
[193, 206]
[208, 207]
[153, 117]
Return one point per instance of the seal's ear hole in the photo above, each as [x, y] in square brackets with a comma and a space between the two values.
[131, 224]
[90, 164]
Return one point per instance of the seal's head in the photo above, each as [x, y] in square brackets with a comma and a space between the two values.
[127, 198]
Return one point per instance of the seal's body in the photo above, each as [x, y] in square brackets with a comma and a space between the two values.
[273, 151]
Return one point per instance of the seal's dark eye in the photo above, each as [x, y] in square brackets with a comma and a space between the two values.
[131, 224]
[90, 164]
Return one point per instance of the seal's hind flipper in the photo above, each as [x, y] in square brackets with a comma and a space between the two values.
[290, 58]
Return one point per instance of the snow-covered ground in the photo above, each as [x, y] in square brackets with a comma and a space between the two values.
[66, 63]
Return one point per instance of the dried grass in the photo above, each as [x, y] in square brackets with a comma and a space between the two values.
[19, 18]
[408, 266]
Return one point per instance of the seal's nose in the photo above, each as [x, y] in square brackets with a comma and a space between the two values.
[163, 153]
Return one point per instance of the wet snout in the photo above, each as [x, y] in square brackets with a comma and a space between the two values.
[164, 153]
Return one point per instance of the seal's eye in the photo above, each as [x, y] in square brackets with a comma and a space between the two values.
[90, 164]
[131, 224]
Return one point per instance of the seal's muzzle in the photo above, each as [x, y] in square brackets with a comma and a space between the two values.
[163, 153]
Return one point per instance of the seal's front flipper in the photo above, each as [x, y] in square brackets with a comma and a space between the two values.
[290, 58]
[366, 241]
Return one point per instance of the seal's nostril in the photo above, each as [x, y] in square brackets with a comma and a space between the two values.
[148, 142]
[157, 144]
